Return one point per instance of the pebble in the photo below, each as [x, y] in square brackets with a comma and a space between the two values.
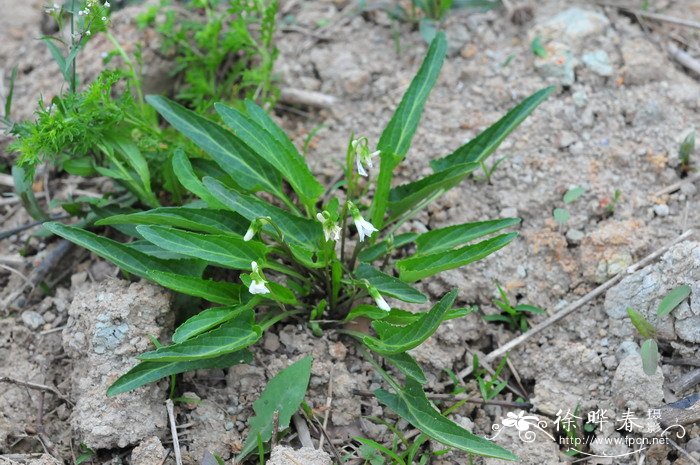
[626, 348]
[574, 236]
[271, 341]
[509, 212]
[661, 210]
[693, 445]
[32, 319]
[598, 61]
[689, 189]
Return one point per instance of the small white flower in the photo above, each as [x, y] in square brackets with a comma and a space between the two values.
[378, 299]
[107, 5]
[362, 155]
[87, 33]
[364, 228]
[258, 284]
[104, 18]
[331, 231]
[81, 13]
[249, 233]
[258, 287]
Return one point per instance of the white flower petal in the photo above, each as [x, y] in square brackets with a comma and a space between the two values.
[364, 228]
[381, 303]
[249, 234]
[258, 287]
[360, 169]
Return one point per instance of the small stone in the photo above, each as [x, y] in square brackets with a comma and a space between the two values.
[574, 236]
[693, 445]
[509, 212]
[625, 349]
[148, 452]
[49, 317]
[271, 341]
[228, 426]
[192, 400]
[32, 319]
[661, 210]
[337, 350]
[580, 98]
[598, 61]
[634, 389]
[689, 189]
[558, 65]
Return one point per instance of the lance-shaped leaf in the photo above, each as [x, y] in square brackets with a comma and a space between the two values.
[182, 167]
[250, 171]
[673, 300]
[153, 250]
[195, 219]
[210, 319]
[388, 285]
[421, 266]
[231, 336]
[296, 229]
[229, 251]
[214, 291]
[406, 196]
[283, 156]
[407, 365]
[450, 237]
[396, 137]
[126, 258]
[399, 317]
[283, 394]
[396, 339]
[483, 145]
[148, 372]
[650, 356]
[411, 404]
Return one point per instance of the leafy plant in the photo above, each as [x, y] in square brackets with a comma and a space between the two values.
[515, 317]
[562, 215]
[490, 388]
[673, 299]
[228, 56]
[289, 252]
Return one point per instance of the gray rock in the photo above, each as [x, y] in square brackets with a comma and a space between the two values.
[625, 349]
[572, 26]
[644, 290]
[661, 210]
[148, 452]
[282, 455]
[634, 389]
[574, 236]
[598, 61]
[109, 324]
[693, 445]
[32, 319]
[558, 65]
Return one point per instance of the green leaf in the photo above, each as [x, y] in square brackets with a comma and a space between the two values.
[396, 137]
[126, 258]
[650, 356]
[283, 394]
[371, 450]
[420, 266]
[478, 149]
[687, 147]
[396, 316]
[23, 189]
[644, 328]
[561, 215]
[406, 196]
[442, 239]
[188, 178]
[396, 339]
[407, 365]
[57, 56]
[148, 372]
[214, 291]
[210, 319]
[380, 249]
[195, 219]
[250, 172]
[573, 194]
[283, 156]
[672, 300]
[398, 133]
[295, 228]
[229, 251]
[411, 404]
[388, 285]
[231, 336]
[537, 47]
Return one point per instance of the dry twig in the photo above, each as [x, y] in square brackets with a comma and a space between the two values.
[173, 430]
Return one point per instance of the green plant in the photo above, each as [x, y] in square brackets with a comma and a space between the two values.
[289, 251]
[228, 56]
[685, 151]
[490, 388]
[515, 317]
[562, 215]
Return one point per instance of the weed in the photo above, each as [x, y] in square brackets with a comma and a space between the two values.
[562, 215]
[303, 249]
[515, 317]
[685, 151]
[490, 388]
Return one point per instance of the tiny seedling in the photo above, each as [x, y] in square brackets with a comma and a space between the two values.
[513, 316]
[611, 205]
[649, 350]
[673, 299]
[489, 388]
[329, 254]
[537, 48]
[685, 151]
[562, 215]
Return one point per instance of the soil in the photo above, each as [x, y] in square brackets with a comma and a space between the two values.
[614, 124]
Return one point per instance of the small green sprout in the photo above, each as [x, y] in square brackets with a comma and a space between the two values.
[561, 215]
[537, 48]
[490, 388]
[685, 151]
[513, 316]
